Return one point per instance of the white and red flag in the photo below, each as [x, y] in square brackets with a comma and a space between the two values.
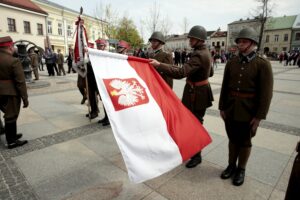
[154, 130]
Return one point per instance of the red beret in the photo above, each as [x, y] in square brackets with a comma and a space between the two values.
[6, 41]
[101, 42]
[123, 44]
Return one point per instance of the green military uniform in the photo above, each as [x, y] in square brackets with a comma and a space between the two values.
[12, 91]
[163, 57]
[246, 95]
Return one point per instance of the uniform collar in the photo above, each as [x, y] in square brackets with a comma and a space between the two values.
[247, 58]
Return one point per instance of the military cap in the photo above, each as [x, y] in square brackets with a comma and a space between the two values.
[91, 45]
[6, 41]
[123, 44]
[101, 42]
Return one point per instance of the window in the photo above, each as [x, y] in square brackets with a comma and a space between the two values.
[40, 29]
[286, 37]
[59, 30]
[213, 44]
[49, 27]
[284, 48]
[276, 37]
[69, 30]
[223, 43]
[93, 35]
[11, 25]
[27, 27]
[297, 36]
[218, 44]
[267, 38]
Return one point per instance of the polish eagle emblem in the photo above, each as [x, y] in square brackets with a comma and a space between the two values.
[126, 92]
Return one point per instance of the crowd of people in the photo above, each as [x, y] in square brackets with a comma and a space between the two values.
[289, 58]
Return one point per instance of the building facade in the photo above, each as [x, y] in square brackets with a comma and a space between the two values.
[23, 20]
[218, 41]
[61, 25]
[295, 43]
[277, 34]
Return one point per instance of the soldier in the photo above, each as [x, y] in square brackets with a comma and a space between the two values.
[197, 94]
[34, 63]
[244, 101]
[123, 47]
[101, 44]
[60, 62]
[12, 91]
[157, 41]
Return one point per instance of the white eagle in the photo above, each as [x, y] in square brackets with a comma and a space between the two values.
[128, 93]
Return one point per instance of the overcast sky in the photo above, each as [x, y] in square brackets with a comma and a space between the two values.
[208, 13]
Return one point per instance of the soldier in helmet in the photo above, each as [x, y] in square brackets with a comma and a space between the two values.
[197, 94]
[244, 101]
[123, 47]
[157, 41]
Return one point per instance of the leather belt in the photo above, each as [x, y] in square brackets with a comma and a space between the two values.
[199, 83]
[6, 81]
[242, 94]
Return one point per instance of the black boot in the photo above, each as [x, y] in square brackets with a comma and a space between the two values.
[12, 137]
[239, 177]
[228, 172]
[195, 160]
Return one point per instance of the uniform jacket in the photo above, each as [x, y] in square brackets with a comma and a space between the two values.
[34, 60]
[12, 79]
[253, 77]
[60, 59]
[164, 57]
[196, 69]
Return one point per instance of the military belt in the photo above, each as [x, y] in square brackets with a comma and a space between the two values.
[6, 81]
[242, 94]
[199, 83]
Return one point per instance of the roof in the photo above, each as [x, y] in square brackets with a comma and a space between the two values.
[285, 22]
[244, 21]
[297, 22]
[24, 4]
[219, 34]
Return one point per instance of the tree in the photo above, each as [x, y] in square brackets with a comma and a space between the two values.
[152, 22]
[264, 11]
[165, 25]
[127, 31]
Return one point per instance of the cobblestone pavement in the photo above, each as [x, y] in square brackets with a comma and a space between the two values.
[13, 184]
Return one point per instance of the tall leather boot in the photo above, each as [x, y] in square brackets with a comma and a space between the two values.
[239, 176]
[232, 158]
[194, 161]
[12, 137]
[105, 120]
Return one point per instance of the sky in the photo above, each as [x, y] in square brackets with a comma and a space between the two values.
[210, 14]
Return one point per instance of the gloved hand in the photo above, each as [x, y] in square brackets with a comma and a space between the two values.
[25, 103]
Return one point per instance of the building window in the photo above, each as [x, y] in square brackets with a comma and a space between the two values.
[49, 27]
[11, 25]
[297, 36]
[218, 44]
[93, 35]
[213, 44]
[69, 30]
[267, 38]
[40, 29]
[59, 30]
[284, 48]
[286, 37]
[276, 37]
[223, 43]
[27, 27]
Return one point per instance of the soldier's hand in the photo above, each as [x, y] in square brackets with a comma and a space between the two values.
[154, 62]
[222, 113]
[25, 103]
[254, 125]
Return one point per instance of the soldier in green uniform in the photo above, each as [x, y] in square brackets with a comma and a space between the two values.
[12, 91]
[244, 101]
[157, 40]
[197, 94]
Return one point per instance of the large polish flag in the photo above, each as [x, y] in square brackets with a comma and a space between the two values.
[154, 130]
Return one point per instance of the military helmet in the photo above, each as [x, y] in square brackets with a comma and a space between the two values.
[157, 36]
[198, 32]
[247, 33]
